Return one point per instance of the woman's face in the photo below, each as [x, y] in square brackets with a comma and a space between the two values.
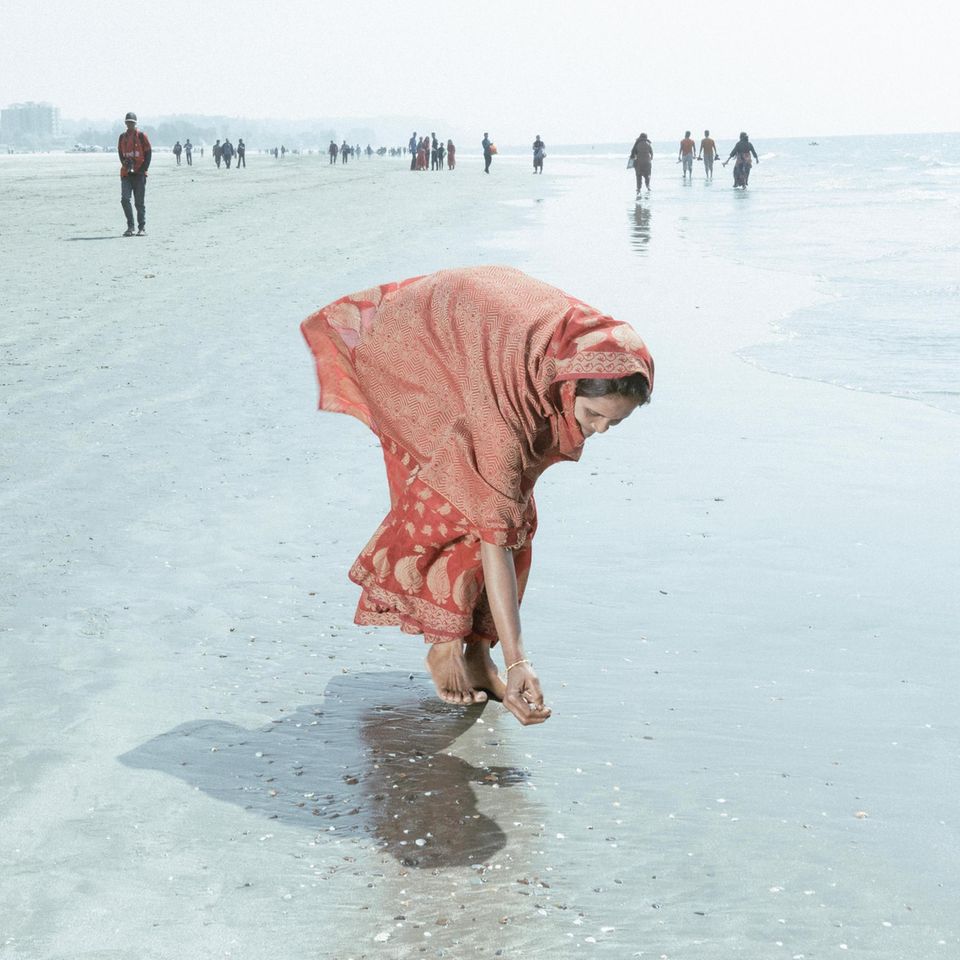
[598, 414]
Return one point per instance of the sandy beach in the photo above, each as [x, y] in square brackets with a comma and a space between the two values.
[743, 605]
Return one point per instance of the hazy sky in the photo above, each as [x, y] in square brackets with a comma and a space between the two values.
[575, 72]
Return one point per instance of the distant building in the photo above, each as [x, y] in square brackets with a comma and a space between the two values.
[29, 124]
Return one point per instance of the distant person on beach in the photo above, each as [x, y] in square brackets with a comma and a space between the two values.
[241, 153]
[423, 148]
[487, 152]
[642, 157]
[539, 152]
[283, 151]
[412, 147]
[135, 154]
[344, 151]
[708, 153]
[177, 150]
[743, 151]
[226, 152]
[216, 153]
[188, 150]
[685, 155]
[451, 155]
[333, 150]
[474, 381]
[441, 151]
[201, 151]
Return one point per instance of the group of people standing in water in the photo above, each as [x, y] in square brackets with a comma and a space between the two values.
[641, 158]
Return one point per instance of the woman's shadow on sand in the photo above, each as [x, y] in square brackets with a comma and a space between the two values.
[368, 761]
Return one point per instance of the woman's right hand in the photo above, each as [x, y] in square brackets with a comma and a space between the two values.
[523, 698]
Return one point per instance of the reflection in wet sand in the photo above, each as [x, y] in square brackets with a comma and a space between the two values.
[640, 226]
[367, 761]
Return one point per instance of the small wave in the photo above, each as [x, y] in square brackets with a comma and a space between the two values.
[937, 162]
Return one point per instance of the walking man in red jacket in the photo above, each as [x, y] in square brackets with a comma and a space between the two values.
[134, 151]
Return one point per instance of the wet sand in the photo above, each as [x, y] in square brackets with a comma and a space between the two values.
[743, 603]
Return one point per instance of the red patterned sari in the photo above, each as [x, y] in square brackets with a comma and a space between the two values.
[468, 379]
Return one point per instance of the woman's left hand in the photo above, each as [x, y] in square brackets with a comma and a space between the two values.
[524, 698]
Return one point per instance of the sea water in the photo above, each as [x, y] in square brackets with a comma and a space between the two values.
[692, 816]
[873, 221]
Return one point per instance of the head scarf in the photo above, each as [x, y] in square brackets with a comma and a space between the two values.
[471, 375]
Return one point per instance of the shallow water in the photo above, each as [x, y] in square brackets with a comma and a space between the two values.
[873, 220]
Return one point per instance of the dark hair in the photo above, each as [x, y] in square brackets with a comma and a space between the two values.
[635, 386]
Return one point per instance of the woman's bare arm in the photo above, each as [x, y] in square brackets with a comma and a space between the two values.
[524, 698]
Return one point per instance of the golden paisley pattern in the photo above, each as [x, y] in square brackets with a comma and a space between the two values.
[438, 581]
[465, 590]
[626, 336]
[591, 339]
[381, 563]
[407, 574]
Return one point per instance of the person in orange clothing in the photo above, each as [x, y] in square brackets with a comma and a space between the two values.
[708, 153]
[135, 153]
[685, 156]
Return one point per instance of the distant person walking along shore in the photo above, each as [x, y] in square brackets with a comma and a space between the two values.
[539, 152]
[685, 156]
[135, 154]
[708, 153]
[451, 155]
[188, 150]
[227, 152]
[642, 157]
[488, 151]
[177, 150]
[412, 147]
[241, 153]
[216, 153]
[741, 169]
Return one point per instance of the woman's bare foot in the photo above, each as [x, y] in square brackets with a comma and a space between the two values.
[448, 667]
[482, 672]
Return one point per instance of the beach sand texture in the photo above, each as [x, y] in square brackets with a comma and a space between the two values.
[743, 607]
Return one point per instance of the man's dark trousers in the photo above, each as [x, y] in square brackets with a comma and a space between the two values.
[136, 184]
